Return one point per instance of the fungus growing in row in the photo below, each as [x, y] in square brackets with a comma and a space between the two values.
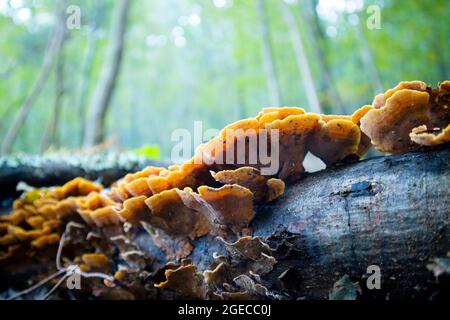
[331, 138]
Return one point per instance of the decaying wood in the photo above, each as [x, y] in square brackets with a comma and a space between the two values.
[40, 171]
[390, 211]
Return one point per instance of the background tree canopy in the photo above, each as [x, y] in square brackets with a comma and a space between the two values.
[136, 70]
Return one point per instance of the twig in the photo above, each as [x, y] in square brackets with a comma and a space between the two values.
[56, 286]
[66, 271]
[37, 285]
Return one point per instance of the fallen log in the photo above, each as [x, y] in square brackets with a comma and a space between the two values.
[51, 170]
[392, 212]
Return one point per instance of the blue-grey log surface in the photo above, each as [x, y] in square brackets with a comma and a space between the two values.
[390, 211]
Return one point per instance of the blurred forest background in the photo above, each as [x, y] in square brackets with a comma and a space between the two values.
[136, 70]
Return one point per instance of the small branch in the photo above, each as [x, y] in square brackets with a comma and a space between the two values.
[66, 271]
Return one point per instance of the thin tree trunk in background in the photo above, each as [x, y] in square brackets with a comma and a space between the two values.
[269, 61]
[84, 85]
[439, 42]
[240, 69]
[302, 60]
[368, 58]
[50, 135]
[95, 129]
[318, 40]
[47, 64]
[240, 97]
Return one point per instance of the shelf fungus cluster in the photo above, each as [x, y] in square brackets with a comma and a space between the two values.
[216, 193]
[409, 116]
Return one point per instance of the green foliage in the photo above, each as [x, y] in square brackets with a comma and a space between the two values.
[33, 195]
[149, 151]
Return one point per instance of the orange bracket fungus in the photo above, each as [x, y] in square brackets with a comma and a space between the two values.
[216, 193]
[391, 123]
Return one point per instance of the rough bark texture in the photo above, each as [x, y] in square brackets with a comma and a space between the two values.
[389, 211]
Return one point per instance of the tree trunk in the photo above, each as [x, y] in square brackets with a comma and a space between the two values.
[84, 83]
[302, 60]
[51, 133]
[51, 170]
[368, 58]
[391, 211]
[47, 64]
[95, 129]
[318, 41]
[269, 60]
[239, 70]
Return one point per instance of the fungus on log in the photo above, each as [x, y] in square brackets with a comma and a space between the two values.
[400, 110]
[130, 231]
[393, 212]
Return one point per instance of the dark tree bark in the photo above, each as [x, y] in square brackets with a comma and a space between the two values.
[95, 129]
[391, 211]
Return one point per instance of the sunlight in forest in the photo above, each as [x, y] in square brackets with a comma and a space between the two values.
[210, 60]
[224, 150]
